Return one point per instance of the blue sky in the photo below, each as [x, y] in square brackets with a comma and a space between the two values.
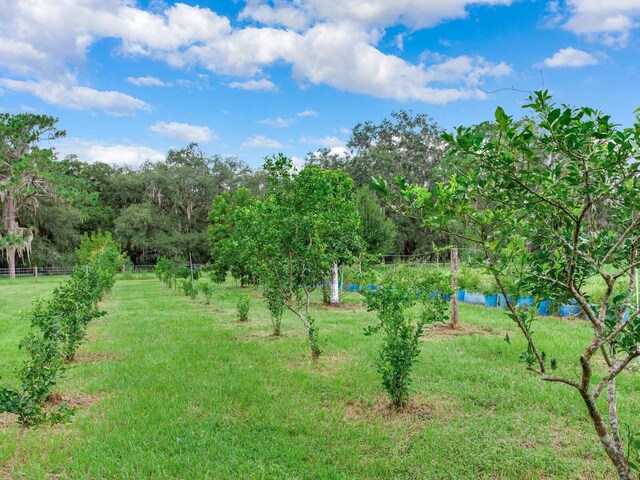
[128, 80]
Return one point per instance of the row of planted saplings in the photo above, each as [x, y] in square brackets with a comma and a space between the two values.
[189, 281]
[58, 326]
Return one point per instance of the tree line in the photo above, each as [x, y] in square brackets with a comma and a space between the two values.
[161, 209]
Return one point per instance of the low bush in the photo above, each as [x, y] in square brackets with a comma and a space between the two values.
[189, 288]
[206, 287]
[244, 304]
[393, 300]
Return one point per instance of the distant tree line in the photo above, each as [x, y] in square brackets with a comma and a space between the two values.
[162, 208]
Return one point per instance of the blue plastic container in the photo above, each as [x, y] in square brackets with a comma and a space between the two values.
[569, 310]
[372, 287]
[461, 295]
[353, 287]
[491, 300]
[474, 298]
[544, 308]
[445, 296]
[502, 302]
[525, 302]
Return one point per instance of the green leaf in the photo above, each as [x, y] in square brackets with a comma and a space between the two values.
[502, 118]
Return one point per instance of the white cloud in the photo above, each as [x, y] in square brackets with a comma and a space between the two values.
[77, 97]
[333, 144]
[260, 141]
[147, 82]
[365, 14]
[90, 151]
[277, 122]
[324, 142]
[308, 113]
[327, 42]
[184, 131]
[336, 55]
[262, 84]
[608, 22]
[570, 57]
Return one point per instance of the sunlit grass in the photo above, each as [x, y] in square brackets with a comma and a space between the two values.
[178, 389]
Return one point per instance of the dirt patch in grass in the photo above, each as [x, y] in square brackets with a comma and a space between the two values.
[343, 307]
[420, 409]
[266, 335]
[444, 330]
[416, 411]
[7, 420]
[88, 357]
[76, 401]
[328, 365]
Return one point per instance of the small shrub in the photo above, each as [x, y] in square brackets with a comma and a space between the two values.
[206, 287]
[244, 304]
[398, 291]
[38, 375]
[164, 271]
[189, 288]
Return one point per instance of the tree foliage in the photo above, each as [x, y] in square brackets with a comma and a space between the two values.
[393, 297]
[307, 222]
[553, 201]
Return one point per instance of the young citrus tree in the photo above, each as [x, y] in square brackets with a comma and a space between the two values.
[307, 223]
[396, 293]
[552, 202]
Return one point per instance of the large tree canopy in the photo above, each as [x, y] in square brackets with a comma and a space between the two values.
[25, 175]
[553, 201]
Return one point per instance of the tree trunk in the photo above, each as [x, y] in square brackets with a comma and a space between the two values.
[615, 453]
[11, 225]
[335, 294]
[454, 286]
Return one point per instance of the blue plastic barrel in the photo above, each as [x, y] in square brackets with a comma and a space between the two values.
[491, 300]
[569, 310]
[544, 308]
[525, 301]
[461, 295]
[474, 298]
[502, 302]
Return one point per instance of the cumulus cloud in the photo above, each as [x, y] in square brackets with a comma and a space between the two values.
[308, 113]
[324, 42]
[147, 82]
[121, 155]
[77, 97]
[333, 144]
[184, 131]
[262, 84]
[366, 14]
[570, 57]
[277, 122]
[608, 22]
[261, 141]
[324, 142]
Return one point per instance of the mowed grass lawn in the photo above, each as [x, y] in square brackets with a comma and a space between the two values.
[168, 387]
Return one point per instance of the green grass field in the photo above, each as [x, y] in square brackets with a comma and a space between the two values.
[170, 388]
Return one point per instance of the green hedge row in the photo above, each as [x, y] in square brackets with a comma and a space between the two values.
[58, 328]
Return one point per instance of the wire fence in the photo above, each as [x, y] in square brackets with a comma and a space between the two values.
[51, 271]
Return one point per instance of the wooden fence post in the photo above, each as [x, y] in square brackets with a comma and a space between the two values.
[454, 285]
